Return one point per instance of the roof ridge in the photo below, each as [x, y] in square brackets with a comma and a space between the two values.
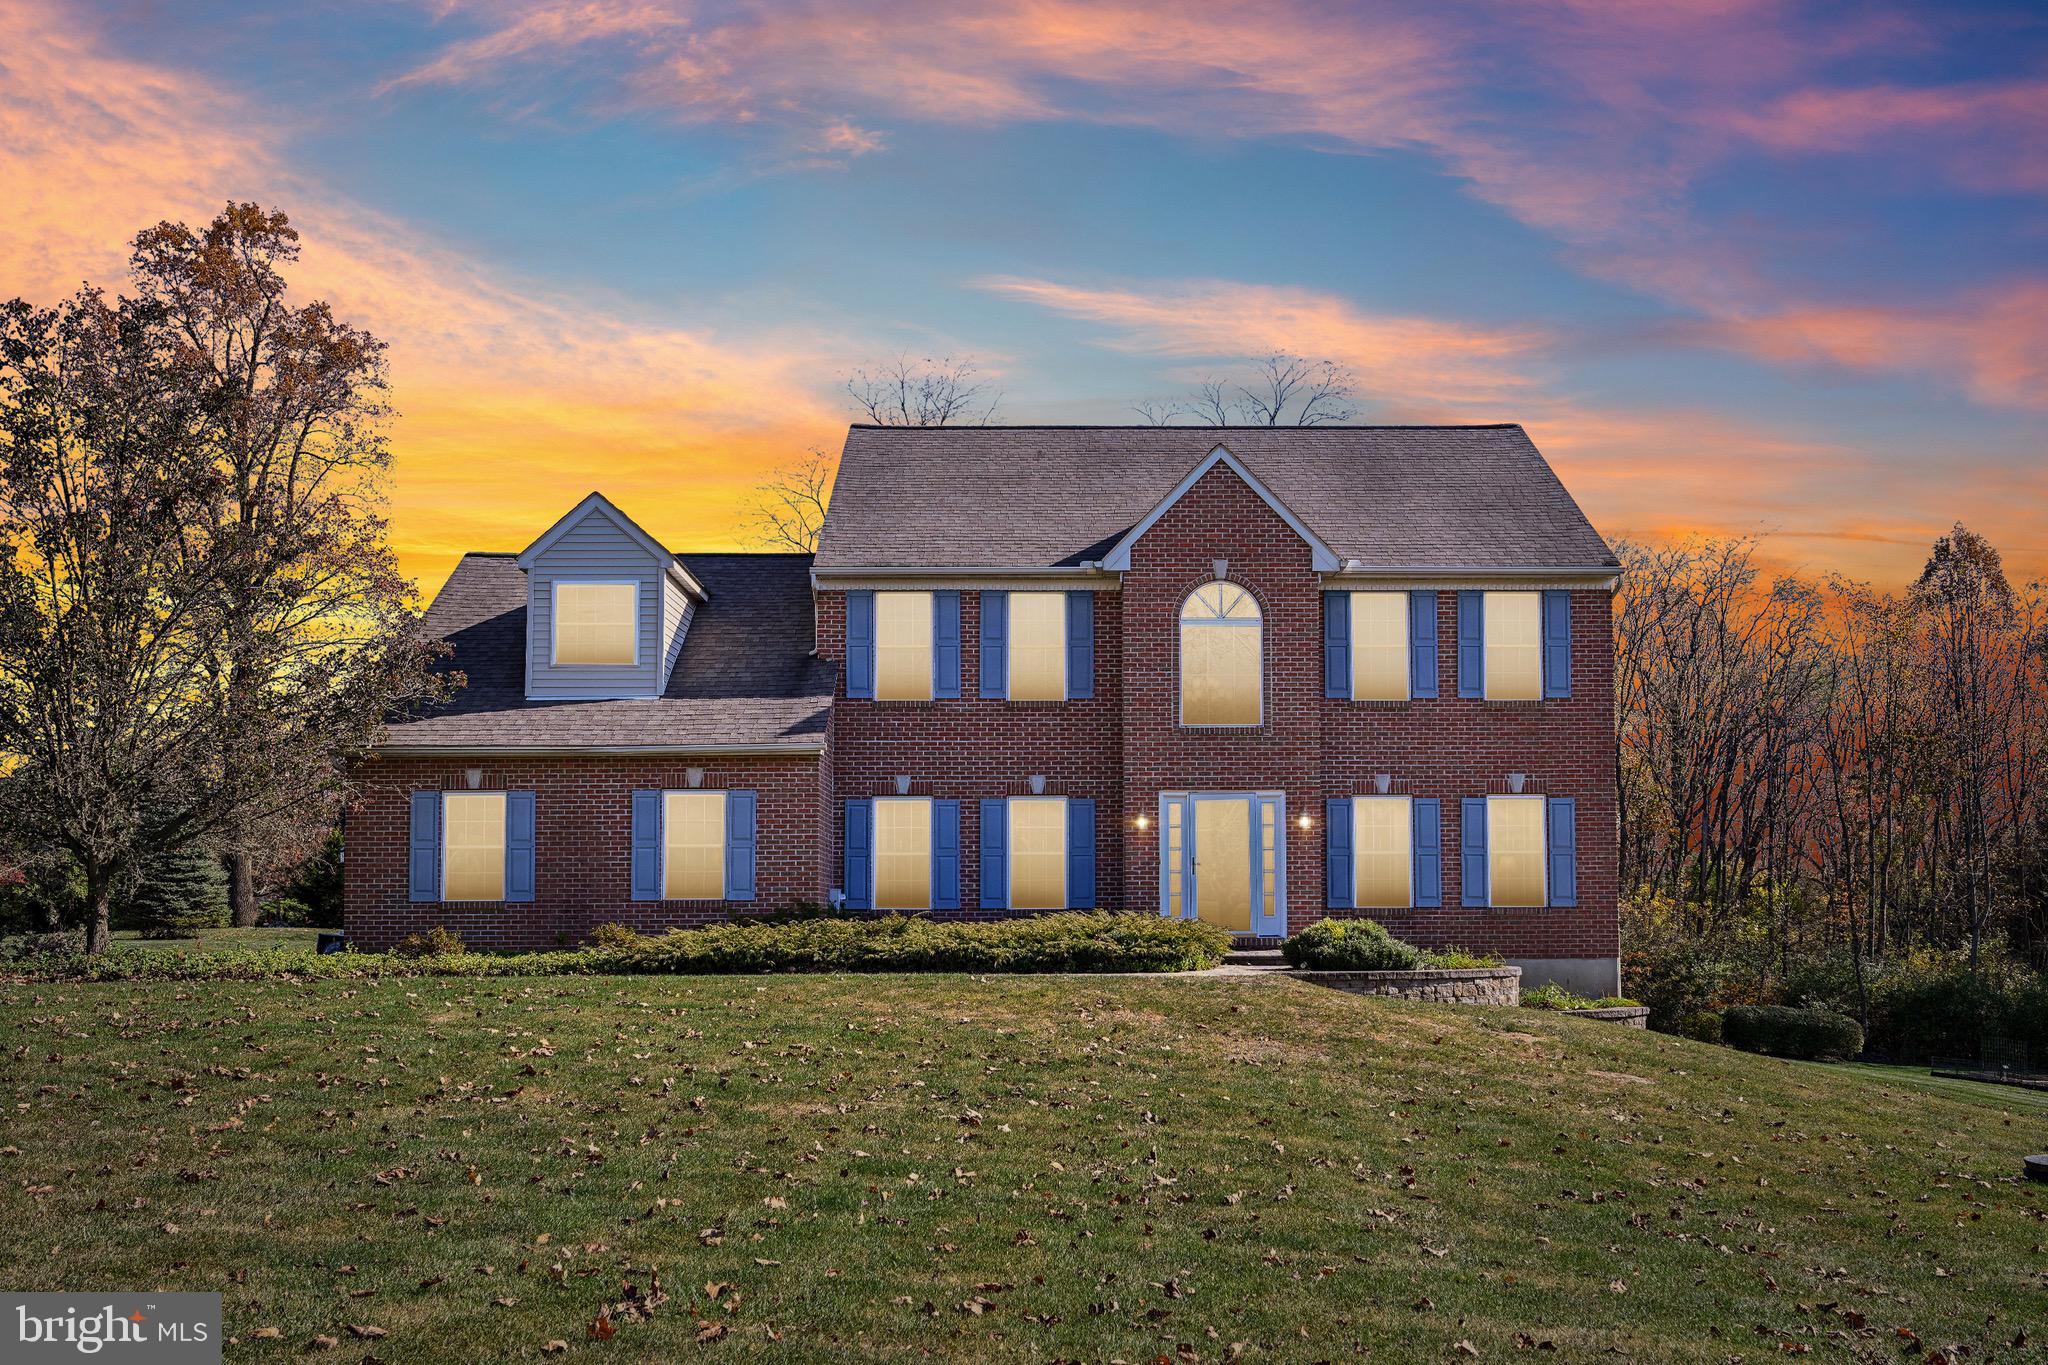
[1176, 426]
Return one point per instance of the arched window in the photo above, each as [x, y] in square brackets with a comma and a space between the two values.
[1219, 656]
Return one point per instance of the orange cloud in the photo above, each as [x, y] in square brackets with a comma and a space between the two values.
[514, 402]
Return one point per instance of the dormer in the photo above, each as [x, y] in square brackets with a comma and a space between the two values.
[606, 607]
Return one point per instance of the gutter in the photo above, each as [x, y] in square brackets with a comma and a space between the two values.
[803, 750]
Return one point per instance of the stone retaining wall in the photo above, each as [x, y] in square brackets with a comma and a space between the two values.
[1628, 1016]
[1444, 985]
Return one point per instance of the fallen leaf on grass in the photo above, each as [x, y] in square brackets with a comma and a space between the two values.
[601, 1328]
[554, 1348]
[710, 1331]
[265, 1334]
[323, 1342]
[364, 1332]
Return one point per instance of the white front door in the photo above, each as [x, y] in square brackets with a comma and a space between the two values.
[1223, 858]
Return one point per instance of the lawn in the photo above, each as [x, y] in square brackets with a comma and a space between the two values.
[887, 1167]
[222, 940]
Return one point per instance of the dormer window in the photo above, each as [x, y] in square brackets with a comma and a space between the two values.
[597, 623]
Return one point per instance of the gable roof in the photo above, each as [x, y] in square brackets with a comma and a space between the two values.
[1423, 498]
[746, 677]
[597, 504]
[1119, 557]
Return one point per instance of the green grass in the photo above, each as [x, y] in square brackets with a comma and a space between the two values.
[222, 940]
[2012, 1098]
[842, 1168]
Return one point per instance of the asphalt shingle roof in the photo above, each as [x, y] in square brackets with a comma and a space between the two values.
[1451, 497]
[746, 675]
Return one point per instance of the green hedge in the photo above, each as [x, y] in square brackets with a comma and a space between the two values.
[1817, 1035]
[1350, 945]
[1098, 942]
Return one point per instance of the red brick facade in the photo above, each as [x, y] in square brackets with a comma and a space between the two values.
[1123, 748]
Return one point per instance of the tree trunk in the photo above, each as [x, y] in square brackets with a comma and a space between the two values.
[98, 932]
[243, 910]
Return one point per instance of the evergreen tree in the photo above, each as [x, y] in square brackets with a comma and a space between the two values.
[180, 894]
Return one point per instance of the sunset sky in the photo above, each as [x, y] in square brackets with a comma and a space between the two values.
[1737, 265]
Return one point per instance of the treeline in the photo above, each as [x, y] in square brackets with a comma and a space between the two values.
[1818, 767]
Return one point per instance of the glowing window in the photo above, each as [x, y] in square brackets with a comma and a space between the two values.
[1038, 853]
[1514, 646]
[1514, 852]
[1174, 853]
[1269, 857]
[903, 646]
[903, 854]
[1220, 631]
[597, 623]
[1381, 863]
[693, 859]
[473, 846]
[1038, 646]
[1379, 646]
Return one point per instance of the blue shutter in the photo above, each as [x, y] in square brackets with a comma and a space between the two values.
[741, 839]
[1422, 666]
[1564, 851]
[519, 840]
[995, 855]
[646, 846]
[1337, 644]
[1080, 853]
[945, 644]
[860, 644]
[1337, 875]
[995, 645]
[1427, 850]
[1080, 646]
[859, 873]
[424, 865]
[1473, 886]
[1471, 644]
[1557, 644]
[945, 855]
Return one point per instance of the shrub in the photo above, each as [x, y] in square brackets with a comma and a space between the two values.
[1350, 945]
[287, 912]
[436, 942]
[179, 895]
[1460, 958]
[29, 947]
[1702, 1026]
[615, 935]
[1817, 1035]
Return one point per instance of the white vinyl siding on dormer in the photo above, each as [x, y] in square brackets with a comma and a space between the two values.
[595, 550]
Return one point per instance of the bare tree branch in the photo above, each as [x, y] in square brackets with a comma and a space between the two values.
[924, 393]
[789, 507]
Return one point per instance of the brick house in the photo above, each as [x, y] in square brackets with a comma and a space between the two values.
[1252, 675]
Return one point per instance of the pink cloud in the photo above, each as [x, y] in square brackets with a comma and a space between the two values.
[1990, 135]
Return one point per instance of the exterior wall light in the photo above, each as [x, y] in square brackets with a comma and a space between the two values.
[1143, 823]
[1304, 821]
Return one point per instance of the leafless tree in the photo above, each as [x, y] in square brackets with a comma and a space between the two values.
[1159, 412]
[930, 392]
[789, 507]
[1291, 390]
[1210, 403]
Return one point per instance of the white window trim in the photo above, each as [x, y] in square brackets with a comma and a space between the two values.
[555, 617]
[1190, 893]
[724, 870]
[1357, 862]
[1180, 658]
[504, 844]
[875, 851]
[1486, 653]
[1542, 851]
[1010, 851]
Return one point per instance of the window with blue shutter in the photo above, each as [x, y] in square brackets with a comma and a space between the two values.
[995, 854]
[423, 864]
[1080, 646]
[945, 855]
[1080, 853]
[741, 839]
[1557, 643]
[645, 857]
[860, 644]
[1427, 850]
[519, 846]
[1564, 851]
[1422, 664]
[995, 645]
[1472, 880]
[858, 875]
[1337, 862]
[945, 644]
[1337, 644]
[1471, 644]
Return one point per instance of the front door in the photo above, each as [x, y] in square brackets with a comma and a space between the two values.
[1223, 859]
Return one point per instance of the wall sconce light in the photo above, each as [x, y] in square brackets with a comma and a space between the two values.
[694, 776]
[1037, 781]
[1516, 782]
[903, 786]
[474, 777]
[1382, 783]
[1143, 823]
[1304, 821]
